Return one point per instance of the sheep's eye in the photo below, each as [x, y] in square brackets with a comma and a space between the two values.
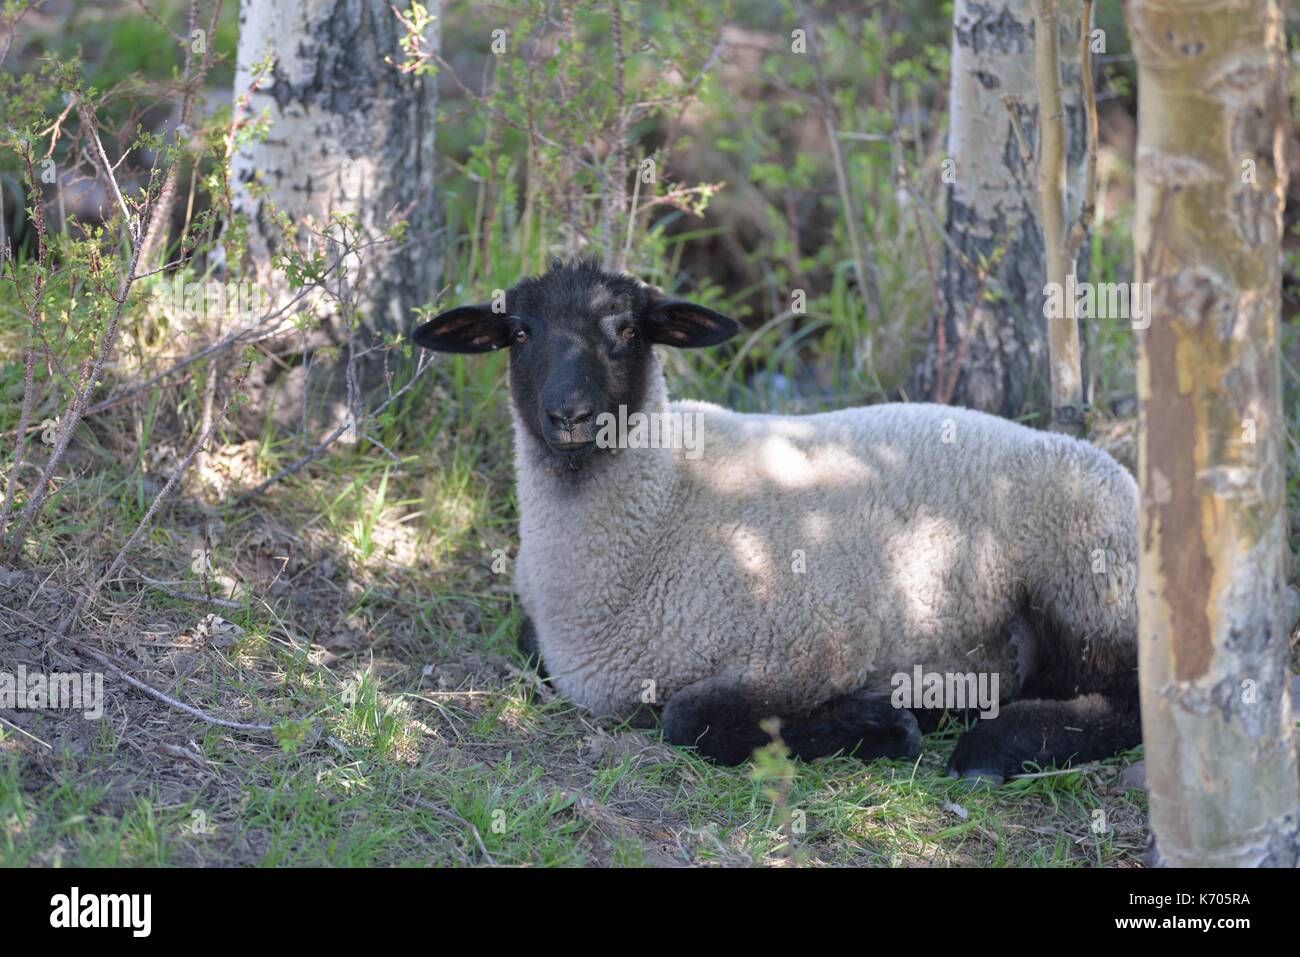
[627, 333]
[521, 335]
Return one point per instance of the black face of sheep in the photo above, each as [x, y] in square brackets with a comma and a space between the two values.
[580, 345]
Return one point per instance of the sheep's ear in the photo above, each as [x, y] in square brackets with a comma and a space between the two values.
[673, 322]
[466, 329]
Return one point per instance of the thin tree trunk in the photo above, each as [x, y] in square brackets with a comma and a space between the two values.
[1212, 177]
[988, 343]
[154, 252]
[349, 133]
[1064, 359]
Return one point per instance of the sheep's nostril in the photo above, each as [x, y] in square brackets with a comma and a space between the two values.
[569, 417]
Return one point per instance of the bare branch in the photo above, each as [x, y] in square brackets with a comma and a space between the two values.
[77, 404]
[316, 451]
[162, 696]
[89, 596]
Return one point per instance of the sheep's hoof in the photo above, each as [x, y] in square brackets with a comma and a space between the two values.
[726, 725]
[897, 737]
[862, 723]
[912, 736]
[978, 777]
[981, 758]
[714, 718]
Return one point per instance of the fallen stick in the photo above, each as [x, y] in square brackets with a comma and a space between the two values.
[456, 818]
[163, 696]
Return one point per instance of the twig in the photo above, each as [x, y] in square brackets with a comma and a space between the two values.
[948, 241]
[189, 596]
[1081, 769]
[316, 451]
[20, 444]
[871, 137]
[153, 15]
[456, 819]
[381, 446]
[89, 596]
[133, 230]
[163, 696]
[26, 734]
[55, 127]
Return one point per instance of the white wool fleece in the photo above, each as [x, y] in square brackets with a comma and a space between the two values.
[808, 556]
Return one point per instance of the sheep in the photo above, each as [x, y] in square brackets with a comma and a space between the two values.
[796, 566]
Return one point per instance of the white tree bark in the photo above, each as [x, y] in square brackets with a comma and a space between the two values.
[1213, 603]
[349, 133]
[1064, 359]
[993, 204]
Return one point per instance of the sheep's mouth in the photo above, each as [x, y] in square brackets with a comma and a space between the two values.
[570, 450]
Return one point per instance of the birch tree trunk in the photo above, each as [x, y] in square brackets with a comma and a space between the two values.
[988, 344]
[1065, 369]
[1212, 176]
[349, 133]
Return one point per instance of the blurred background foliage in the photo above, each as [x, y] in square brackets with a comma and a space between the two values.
[725, 106]
[746, 208]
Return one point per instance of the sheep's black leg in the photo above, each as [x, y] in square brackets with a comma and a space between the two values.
[529, 649]
[1047, 732]
[723, 721]
[863, 724]
[715, 717]
[1077, 702]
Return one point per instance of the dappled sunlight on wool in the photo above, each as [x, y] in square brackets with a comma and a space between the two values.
[920, 557]
[817, 527]
[751, 553]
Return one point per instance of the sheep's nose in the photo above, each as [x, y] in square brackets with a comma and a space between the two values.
[570, 416]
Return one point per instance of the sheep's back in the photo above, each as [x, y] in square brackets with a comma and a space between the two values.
[831, 550]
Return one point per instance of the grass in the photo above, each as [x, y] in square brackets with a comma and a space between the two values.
[543, 787]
